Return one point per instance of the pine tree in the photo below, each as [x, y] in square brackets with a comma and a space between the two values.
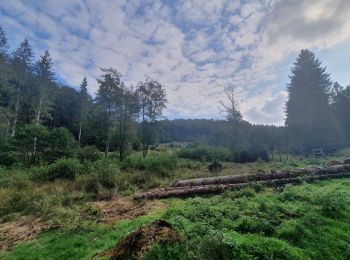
[341, 107]
[309, 118]
[84, 96]
[44, 83]
[22, 59]
[6, 91]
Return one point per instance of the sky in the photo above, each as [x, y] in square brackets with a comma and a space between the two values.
[194, 48]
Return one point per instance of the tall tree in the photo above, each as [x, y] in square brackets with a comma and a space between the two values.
[153, 100]
[309, 118]
[22, 59]
[6, 90]
[127, 111]
[341, 107]
[230, 110]
[108, 94]
[44, 83]
[84, 96]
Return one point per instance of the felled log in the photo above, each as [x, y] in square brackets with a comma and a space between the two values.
[217, 188]
[231, 179]
[219, 184]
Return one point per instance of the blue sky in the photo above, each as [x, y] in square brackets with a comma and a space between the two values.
[195, 48]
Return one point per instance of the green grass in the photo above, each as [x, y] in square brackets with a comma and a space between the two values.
[80, 243]
[303, 222]
[311, 221]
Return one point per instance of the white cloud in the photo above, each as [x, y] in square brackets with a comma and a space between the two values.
[195, 48]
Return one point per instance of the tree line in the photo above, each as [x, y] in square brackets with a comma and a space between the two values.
[33, 105]
[40, 117]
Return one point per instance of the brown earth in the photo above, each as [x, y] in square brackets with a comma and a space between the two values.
[134, 245]
[119, 208]
[14, 232]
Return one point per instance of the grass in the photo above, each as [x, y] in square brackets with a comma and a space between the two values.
[304, 222]
[311, 221]
[84, 242]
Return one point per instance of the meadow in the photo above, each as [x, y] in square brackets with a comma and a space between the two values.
[80, 209]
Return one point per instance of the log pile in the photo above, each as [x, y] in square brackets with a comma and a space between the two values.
[183, 188]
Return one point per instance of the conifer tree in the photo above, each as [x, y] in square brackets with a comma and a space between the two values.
[309, 118]
[22, 59]
[84, 96]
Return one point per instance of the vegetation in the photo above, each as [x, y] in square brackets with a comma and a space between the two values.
[68, 161]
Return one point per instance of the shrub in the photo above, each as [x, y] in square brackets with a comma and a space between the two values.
[331, 203]
[19, 200]
[61, 143]
[206, 153]
[161, 163]
[64, 169]
[247, 224]
[245, 156]
[88, 153]
[103, 173]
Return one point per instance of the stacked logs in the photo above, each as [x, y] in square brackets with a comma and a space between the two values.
[183, 188]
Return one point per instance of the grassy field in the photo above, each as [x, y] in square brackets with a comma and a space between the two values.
[83, 217]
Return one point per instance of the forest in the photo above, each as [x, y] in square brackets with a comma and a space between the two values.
[72, 161]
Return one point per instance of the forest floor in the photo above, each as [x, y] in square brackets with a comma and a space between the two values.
[59, 221]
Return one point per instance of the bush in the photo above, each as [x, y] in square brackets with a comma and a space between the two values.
[88, 153]
[61, 143]
[162, 163]
[19, 200]
[103, 173]
[331, 203]
[64, 169]
[245, 156]
[206, 153]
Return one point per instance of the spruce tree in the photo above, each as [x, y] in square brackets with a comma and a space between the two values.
[22, 59]
[309, 118]
[84, 96]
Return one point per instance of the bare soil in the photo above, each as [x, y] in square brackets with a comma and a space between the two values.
[24, 229]
[120, 208]
[134, 245]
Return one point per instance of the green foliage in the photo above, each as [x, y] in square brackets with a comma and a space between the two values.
[206, 153]
[61, 143]
[24, 142]
[158, 163]
[332, 202]
[252, 156]
[88, 153]
[64, 169]
[18, 200]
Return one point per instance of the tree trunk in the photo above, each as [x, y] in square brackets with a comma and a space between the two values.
[16, 113]
[218, 184]
[37, 120]
[80, 122]
[144, 151]
[8, 123]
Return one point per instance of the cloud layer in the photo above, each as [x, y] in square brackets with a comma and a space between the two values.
[195, 48]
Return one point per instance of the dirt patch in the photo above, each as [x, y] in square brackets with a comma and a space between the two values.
[123, 208]
[24, 229]
[136, 243]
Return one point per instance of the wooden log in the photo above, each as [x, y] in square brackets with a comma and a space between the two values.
[217, 188]
[231, 179]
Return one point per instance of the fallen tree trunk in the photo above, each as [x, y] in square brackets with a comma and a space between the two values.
[220, 184]
[231, 179]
